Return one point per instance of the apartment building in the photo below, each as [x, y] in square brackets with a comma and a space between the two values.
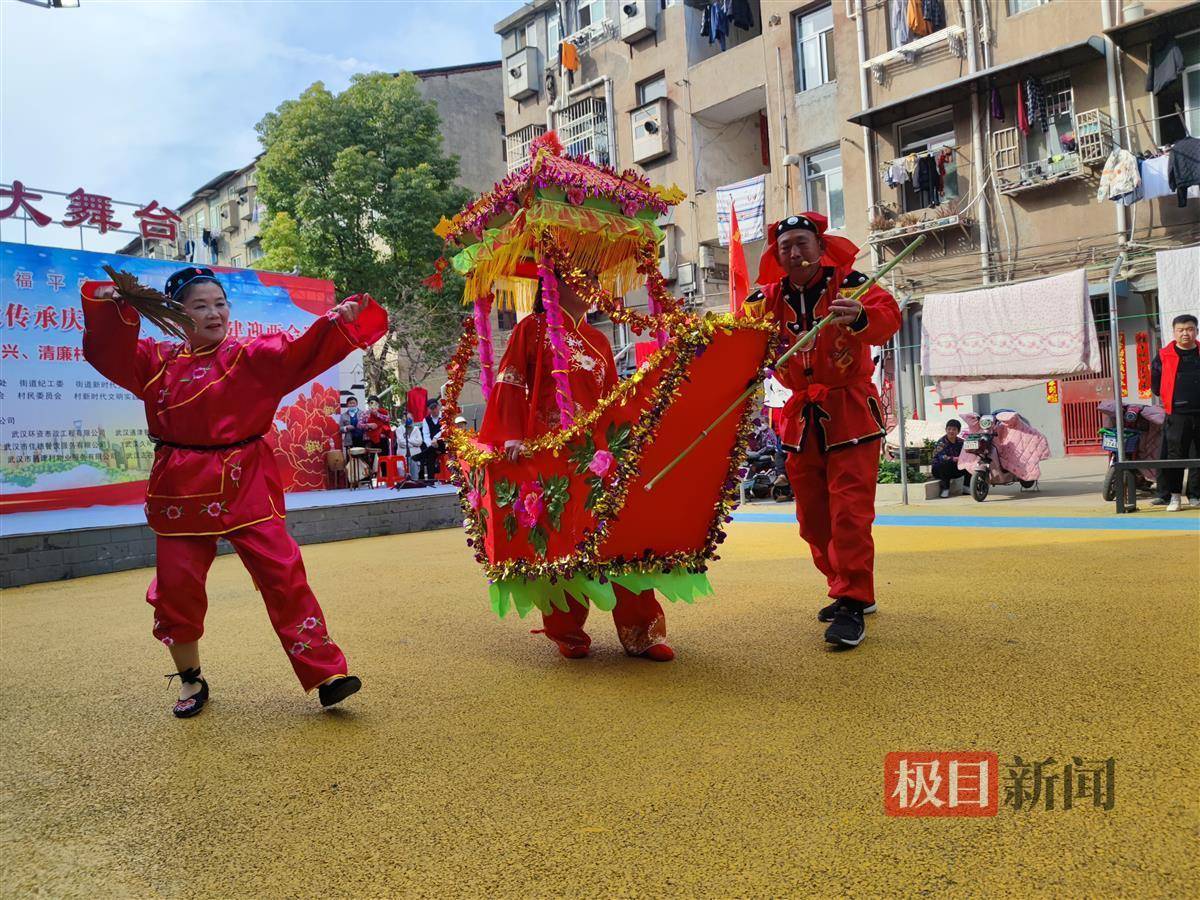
[654, 92]
[1016, 204]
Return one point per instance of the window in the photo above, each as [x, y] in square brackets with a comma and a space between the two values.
[256, 253]
[201, 221]
[214, 216]
[1020, 6]
[258, 210]
[590, 12]
[1182, 95]
[651, 89]
[823, 185]
[814, 49]
[554, 36]
[531, 34]
[506, 319]
[235, 261]
[518, 40]
[923, 136]
[1060, 117]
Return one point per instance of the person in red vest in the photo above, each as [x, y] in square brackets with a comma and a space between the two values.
[832, 423]
[1175, 379]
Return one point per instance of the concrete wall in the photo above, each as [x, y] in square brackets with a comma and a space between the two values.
[33, 558]
[469, 103]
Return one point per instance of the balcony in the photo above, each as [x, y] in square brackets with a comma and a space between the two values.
[951, 36]
[583, 128]
[1041, 173]
[729, 86]
[888, 227]
[517, 145]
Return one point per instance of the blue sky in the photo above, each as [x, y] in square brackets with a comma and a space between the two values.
[149, 100]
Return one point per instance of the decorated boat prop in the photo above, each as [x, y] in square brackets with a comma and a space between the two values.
[571, 515]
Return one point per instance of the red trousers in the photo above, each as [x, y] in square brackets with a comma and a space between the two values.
[835, 506]
[639, 619]
[273, 560]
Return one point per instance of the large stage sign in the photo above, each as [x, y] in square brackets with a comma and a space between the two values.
[69, 437]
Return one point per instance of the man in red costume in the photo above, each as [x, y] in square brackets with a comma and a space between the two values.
[209, 404]
[832, 423]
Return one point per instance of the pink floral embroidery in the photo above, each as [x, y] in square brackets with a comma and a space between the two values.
[602, 463]
[299, 647]
[235, 474]
[213, 509]
[168, 640]
[529, 504]
[308, 624]
[173, 512]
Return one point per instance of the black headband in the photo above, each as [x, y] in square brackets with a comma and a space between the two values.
[184, 277]
[797, 223]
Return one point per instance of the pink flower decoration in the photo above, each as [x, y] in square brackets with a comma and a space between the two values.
[311, 622]
[529, 504]
[474, 499]
[630, 209]
[576, 196]
[602, 463]
[168, 641]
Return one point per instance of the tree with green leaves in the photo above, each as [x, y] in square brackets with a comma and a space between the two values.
[354, 184]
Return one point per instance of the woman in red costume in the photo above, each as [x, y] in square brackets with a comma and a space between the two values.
[523, 406]
[209, 404]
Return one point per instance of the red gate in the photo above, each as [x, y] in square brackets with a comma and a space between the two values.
[1080, 396]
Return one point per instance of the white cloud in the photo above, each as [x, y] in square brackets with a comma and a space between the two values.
[148, 100]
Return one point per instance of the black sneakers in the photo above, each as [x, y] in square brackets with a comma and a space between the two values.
[847, 628]
[827, 613]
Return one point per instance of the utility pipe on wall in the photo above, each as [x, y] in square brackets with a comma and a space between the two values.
[977, 145]
[1112, 59]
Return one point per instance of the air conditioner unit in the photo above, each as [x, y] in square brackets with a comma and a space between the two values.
[651, 131]
[524, 74]
[667, 257]
[247, 200]
[639, 19]
[229, 216]
[685, 278]
[708, 257]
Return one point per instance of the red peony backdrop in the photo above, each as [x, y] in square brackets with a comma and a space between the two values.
[304, 432]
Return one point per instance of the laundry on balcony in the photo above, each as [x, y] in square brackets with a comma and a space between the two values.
[1154, 180]
[1009, 337]
[720, 16]
[1120, 175]
[750, 197]
[1166, 63]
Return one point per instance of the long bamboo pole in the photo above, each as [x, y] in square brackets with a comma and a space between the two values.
[809, 337]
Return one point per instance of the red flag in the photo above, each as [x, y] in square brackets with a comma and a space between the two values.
[739, 272]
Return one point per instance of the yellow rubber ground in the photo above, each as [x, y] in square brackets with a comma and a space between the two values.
[478, 763]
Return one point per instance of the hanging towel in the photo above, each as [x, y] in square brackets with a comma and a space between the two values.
[1010, 337]
[1022, 109]
[751, 199]
[997, 105]
[1120, 175]
[570, 56]
[1166, 63]
[1178, 286]
[1156, 178]
[1184, 171]
[916, 19]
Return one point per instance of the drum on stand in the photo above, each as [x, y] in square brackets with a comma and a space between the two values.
[358, 467]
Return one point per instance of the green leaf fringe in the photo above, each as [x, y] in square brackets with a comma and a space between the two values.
[522, 595]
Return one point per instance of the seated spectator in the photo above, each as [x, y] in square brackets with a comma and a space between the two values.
[1175, 378]
[351, 424]
[378, 427]
[945, 458]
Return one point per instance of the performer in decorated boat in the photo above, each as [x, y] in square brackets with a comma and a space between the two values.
[523, 406]
[210, 402]
[833, 421]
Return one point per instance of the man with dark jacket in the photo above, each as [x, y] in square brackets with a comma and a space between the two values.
[1175, 379]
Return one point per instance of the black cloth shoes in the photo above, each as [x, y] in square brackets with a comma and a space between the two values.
[333, 692]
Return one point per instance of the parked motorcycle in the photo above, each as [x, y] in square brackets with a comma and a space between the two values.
[1000, 448]
[1143, 429]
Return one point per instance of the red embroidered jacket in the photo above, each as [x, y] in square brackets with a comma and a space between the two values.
[522, 405]
[832, 381]
[220, 396]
